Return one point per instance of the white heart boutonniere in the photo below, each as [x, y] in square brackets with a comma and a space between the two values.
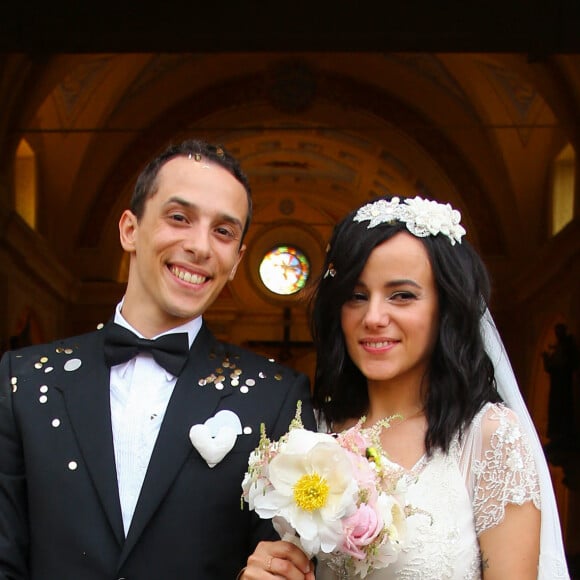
[215, 438]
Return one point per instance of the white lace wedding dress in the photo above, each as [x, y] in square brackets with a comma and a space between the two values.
[460, 495]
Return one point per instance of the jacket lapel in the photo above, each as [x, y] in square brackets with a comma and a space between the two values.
[87, 398]
[190, 403]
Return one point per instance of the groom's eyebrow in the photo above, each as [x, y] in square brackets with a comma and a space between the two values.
[186, 204]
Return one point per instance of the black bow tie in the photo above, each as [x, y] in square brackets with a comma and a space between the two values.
[169, 351]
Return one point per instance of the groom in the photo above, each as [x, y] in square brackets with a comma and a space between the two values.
[100, 477]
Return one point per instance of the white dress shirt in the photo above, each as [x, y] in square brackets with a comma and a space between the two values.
[140, 391]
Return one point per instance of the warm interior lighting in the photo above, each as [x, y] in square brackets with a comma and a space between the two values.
[25, 183]
[563, 183]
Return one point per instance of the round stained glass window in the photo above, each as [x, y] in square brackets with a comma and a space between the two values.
[284, 270]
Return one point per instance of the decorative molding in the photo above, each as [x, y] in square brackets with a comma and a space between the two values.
[291, 86]
[153, 73]
[522, 102]
[77, 88]
[430, 68]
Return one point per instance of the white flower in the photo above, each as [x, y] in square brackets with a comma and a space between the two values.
[429, 218]
[253, 487]
[379, 212]
[312, 488]
[393, 514]
[422, 217]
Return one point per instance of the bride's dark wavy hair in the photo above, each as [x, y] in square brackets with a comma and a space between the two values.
[460, 377]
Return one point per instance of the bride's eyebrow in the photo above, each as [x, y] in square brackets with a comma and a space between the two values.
[402, 282]
[390, 284]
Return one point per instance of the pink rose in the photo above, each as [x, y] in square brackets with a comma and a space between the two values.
[365, 475]
[360, 530]
[353, 440]
[364, 470]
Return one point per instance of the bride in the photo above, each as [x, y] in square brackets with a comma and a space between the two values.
[398, 325]
[401, 327]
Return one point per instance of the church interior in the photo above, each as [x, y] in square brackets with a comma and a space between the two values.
[493, 131]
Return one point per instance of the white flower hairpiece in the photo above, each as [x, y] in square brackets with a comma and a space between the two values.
[422, 217]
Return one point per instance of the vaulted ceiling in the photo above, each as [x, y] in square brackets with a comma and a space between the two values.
[317, 133]
[332, 129]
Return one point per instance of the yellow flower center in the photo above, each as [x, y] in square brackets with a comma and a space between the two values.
[311, 492]
[373, 455]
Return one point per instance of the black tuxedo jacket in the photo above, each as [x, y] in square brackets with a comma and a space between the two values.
[60, 516]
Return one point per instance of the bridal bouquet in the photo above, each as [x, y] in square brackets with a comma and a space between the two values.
[330, 495]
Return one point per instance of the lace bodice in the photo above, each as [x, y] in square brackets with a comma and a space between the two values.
[460, 494]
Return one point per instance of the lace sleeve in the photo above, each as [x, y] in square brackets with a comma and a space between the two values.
[503, 471]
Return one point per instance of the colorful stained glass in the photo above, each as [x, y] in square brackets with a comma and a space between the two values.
[284, 270]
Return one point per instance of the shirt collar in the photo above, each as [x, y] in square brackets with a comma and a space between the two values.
[192, 327]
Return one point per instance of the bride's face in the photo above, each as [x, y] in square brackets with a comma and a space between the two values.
[390, 321]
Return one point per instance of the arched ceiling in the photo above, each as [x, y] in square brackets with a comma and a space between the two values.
[317, 134]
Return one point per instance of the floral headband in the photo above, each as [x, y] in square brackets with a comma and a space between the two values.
[422, 217]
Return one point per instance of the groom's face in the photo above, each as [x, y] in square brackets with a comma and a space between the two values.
[186, 246]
